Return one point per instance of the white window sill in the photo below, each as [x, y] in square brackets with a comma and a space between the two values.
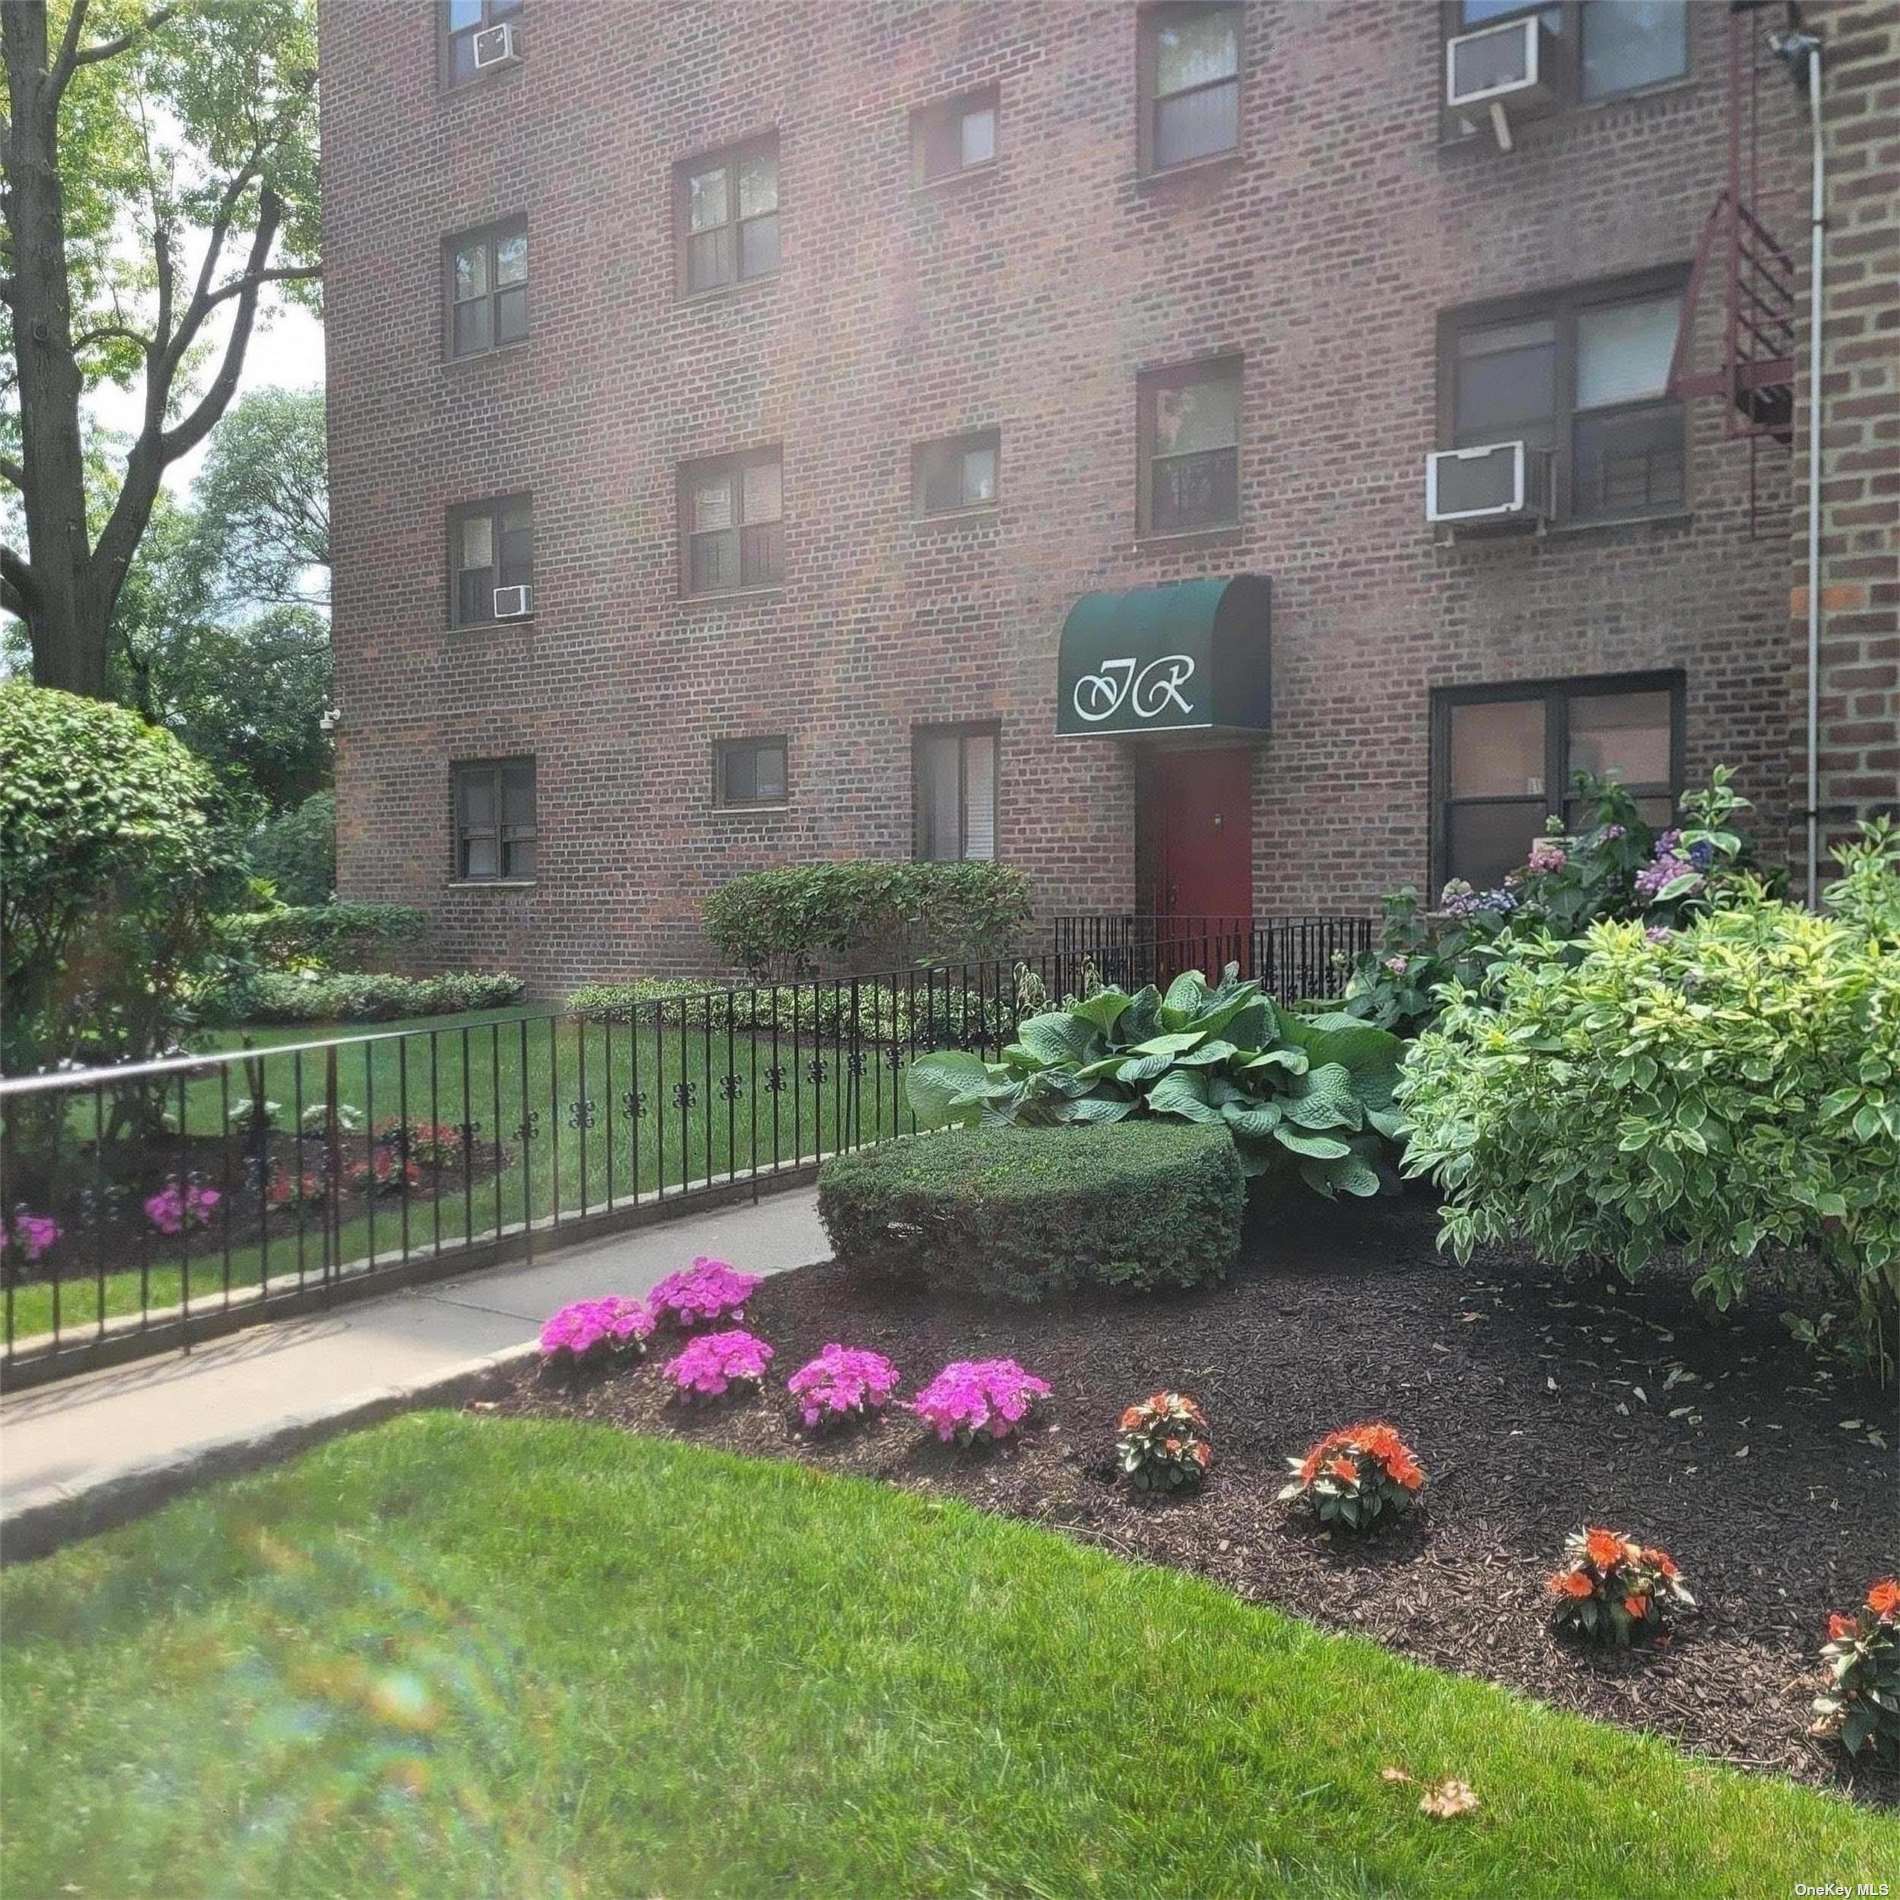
[491, 883]
[962, 175]
[469, 357]
[493, 626]
[749, 811]
[735, 595]
[1188, 168]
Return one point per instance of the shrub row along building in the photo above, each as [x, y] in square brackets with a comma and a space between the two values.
[1224, 459]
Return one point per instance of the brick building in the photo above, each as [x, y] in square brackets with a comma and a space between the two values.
[764, 433]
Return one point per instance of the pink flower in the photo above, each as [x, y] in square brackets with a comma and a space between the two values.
[843, 1381]
[979, 1398]
[34, 1234]
[706, 1291]
[713, 1362]
[1547, 855]
[174, 1208]
[612, 1322]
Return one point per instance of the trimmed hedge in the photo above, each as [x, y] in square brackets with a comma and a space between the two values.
[927, 1013]
[328, 936]
[886, 908]
[272, 996]
[1025, 1212]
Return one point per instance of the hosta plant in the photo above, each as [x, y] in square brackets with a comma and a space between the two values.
[712, 1364]
[1358, 1477]
[1730, 1088]
[1164, 1443]
[1615, 1590]
[843, 1385]
[701, 1295]
[973, 1399]
[1861, 1704]
[613, 1327]
[1315, 1092]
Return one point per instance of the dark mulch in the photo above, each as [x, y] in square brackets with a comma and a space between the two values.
[1535, 1403]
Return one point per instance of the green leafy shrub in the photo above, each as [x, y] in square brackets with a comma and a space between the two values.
[882, 1012]
[1618, 867]
[271, 996]
[326, 936]
[296, 851]
[1731, 1088]
[1026, 1212]
[1315, 1091]
[115, 858]
[884, 911]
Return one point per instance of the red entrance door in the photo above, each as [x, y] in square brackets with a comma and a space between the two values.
[1203, 832]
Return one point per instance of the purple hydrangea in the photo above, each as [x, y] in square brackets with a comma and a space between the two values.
[34, 1234]
[1658, 933]
[1396, 965]
[979, 1398]
[1651, 879]
[706, 1291]
[842, 1382]
[1458, 899]
[1610, 833]
[174, 1208]
[613, 1323]
[715, 1362]
[1547, 855]
[1702, 854]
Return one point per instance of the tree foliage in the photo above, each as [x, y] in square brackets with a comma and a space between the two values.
[160, 174]
[263, 503]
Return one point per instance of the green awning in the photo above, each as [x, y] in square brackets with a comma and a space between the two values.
[1188, 657]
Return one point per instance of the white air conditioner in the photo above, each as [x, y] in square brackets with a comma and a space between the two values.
[494, 45]
[1501, 481]
[1512, 64]
[512, 602]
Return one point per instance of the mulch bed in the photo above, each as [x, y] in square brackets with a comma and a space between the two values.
[1535, 1403]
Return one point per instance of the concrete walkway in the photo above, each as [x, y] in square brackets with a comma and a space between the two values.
[104, 1430]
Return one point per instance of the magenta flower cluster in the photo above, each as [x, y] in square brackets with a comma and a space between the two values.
[712, 1363]
[979, 1398]
[33, 1234]
[613, 1324]
[842, 1382]
[707, 1291]
[1547, 854]
[175, 1207]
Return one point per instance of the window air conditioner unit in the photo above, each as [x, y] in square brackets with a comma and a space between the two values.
[494, 45]
[512, 602]
[1502, 481]
[1512, 64]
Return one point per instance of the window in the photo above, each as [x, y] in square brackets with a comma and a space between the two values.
[488, 288]
[1603, 47]
[954, 801]
[1505, 760]
[494, 819]
[955, 136]
[1584, 373]
[749, 772]
[1190, 448]
[461, 21]
[1190, 84]
[491, 546]
[956, 474]
[733, 531]
[726, 213]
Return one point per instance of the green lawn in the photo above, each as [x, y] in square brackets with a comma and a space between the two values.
[454, 1656]
[692, 1125]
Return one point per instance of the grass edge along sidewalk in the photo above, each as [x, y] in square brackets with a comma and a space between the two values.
[556, 1660]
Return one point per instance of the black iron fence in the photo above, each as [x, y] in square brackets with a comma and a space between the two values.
[155, 1203]
[1295, 958]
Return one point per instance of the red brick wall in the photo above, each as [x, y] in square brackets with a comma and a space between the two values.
[1860, 453]
[1027, 297]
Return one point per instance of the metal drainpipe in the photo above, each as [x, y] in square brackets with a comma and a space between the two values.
[1817, 253]
[1794, 45]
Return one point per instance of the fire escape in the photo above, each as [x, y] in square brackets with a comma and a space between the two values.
[1739, 259]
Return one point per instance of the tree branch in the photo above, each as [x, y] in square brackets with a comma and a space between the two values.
[72, 55]
[69, 47]
[19, 585]
[283, 274]
[11, 471]
[106, 330]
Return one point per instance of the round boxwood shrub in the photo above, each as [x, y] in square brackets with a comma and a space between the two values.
[1025, 1212]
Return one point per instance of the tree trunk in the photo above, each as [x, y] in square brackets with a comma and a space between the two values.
[66, 620]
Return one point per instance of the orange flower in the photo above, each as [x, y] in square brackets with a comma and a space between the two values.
[1839, 1626]
[1884, 1598]
[1638, 1607]
[1570, 1583]
[1343, 1469]
[1663, 1562]
[1131, 1419]
[1603, 1548]
[1160, 1401]
[1171, 1446]
[1404, 1469]
[1203, 1454]
[1309, 1467]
